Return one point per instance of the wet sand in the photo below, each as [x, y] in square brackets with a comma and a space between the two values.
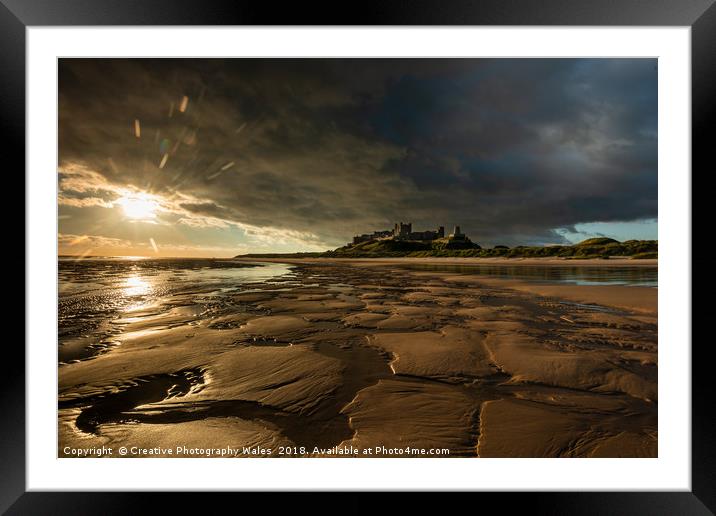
[362, 354]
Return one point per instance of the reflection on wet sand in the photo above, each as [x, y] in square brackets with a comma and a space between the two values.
[323, 355]
[135, 286]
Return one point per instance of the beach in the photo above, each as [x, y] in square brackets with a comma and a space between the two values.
[333, 357]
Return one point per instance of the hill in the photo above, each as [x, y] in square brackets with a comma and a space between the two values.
[393, 248]
[597, 241]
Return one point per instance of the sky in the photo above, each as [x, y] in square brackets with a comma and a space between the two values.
[219, 157]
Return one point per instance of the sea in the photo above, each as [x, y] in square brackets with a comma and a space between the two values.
[93, 292]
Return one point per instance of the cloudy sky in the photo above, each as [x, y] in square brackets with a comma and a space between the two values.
[214, 157]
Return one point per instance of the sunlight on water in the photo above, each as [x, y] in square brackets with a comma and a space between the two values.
[136, 286]
[98, 297]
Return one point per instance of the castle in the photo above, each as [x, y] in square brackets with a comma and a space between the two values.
[403, 231]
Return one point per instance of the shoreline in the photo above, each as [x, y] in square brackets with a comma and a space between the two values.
[640, 299]
[552, 262]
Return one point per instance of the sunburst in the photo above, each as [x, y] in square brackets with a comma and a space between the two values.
[138, 206]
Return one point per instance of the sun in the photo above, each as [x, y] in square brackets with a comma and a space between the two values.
[138, 206]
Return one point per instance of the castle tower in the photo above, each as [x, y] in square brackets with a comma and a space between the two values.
[403, 230]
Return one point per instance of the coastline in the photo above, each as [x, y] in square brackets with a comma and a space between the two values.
[558, 262]
[633, 298]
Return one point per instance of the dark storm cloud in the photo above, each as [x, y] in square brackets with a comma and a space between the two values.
[509, 149]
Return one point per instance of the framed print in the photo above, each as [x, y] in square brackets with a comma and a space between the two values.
[416, 250]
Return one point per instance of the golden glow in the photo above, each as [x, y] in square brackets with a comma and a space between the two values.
[138, 206]
[136, 286]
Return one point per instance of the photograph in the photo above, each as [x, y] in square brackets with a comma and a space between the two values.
[384, 257]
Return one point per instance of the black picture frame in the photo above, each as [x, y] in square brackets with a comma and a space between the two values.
[700, 15]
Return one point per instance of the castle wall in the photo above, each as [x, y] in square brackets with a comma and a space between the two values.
[403, 231]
